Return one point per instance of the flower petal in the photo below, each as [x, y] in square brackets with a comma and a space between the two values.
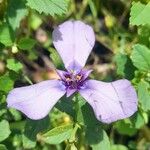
[111, 101]
[37, 100]
[74, 41]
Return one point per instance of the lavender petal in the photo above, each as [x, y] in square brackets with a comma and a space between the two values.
[111, 101]
[35, 101]
[74, 41]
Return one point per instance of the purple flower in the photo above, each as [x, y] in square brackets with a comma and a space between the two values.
[74, 41]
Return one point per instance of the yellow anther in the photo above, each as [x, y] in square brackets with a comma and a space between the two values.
[78, 77]
[68, 79]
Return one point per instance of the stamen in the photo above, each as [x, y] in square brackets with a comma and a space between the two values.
[74, 79]
[68, 79]
[78, 77]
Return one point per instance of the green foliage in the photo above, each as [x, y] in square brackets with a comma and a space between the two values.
[50, 7]
[5, 36]
[3, 147]
[125, 67]
[35, 21]
[32, 128]
[140, 13]
[3, 5]
[95, 135]
[12, 64]
[6, 83]
[4, 130]
[27, 56]
[56, 58]
[139, 120]
[144, 95]
[140, 57]
[26, 43]
[58, 134]
[100, 139]
[16, 11]
[125, 128]
[119, 147]
[144, 34]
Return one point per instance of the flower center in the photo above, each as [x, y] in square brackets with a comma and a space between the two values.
[74, 80]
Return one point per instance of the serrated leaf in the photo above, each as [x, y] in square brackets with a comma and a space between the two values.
[5, 35]
[49, 7]
[26, 43]
[140, 13]
[144, 95]
[58, 134]
[144, 35]
[4, 130]
[6, 83]
[141, 57]
[16, 12]
[14, 65]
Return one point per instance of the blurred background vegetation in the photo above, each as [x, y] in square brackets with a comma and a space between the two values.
[122, 50]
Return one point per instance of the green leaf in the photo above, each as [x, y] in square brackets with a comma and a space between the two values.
[66, 105]
[56, 58]
[35, 21]
[32, 128]
[97, 138]
[2, 104]
[27, 143]
[58, 134]
[140, 13]
[85, 114]
[71, 147]
[141, 57]
[124, 127]
[15, 114]
[138, 120]
[14, 65]
[121, 60]
[144, 34]
[2, 147]
[16, 12]
[49, 7]
[118, 147]
[144, 95]
[125, 67]
[93, 8]
[4, 130]
[6, 83]
[3, 6]
[5, 35]
[103, 144]
[26, 43]
[17, 140]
